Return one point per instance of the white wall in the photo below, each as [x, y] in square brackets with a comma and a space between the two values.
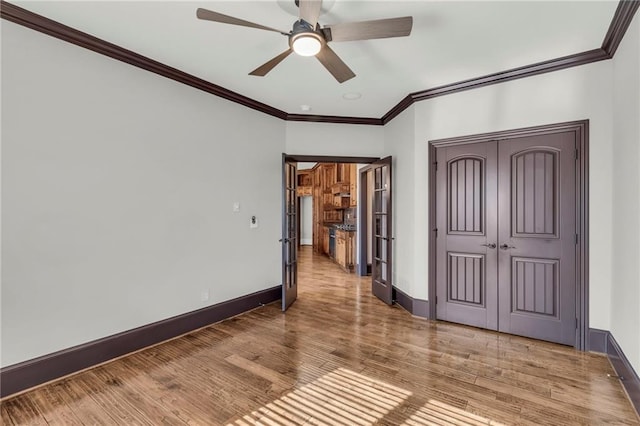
[573, 94]
[306, 220]
[117, 196]
[625, 281]
[305, 138]
[400, 144]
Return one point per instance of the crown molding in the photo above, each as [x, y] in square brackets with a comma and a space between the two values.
[498, 77]
[619, 24]
[21, 16]
[334, 119]
[405, 103]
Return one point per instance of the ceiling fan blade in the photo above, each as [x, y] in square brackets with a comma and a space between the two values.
[334, 64]
[225, 19]
[310, 11]
[262, 70]
[366, 30]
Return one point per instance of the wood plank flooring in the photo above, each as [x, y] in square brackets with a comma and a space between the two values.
[338, 357]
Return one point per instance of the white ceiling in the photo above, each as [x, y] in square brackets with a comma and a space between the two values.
[450, 41]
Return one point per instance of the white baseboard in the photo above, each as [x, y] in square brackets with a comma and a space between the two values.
[306, 242]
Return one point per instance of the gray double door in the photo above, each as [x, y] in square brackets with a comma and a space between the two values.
[506, 240]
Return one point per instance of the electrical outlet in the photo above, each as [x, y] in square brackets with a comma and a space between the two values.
[204, 295]
[253, 222]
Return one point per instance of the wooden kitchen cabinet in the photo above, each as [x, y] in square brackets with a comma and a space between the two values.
[341, 249]
[318, 208]
[332, 216]
[333, 187]
[325, 240]
[341, 202]
[345, 249]
[304, 177]
[353, 193]
[329, 176]
[303, 191]
[304, 183]
[340, 188]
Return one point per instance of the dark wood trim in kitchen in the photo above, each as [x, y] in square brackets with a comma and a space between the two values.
[621, 20]
[22, 376]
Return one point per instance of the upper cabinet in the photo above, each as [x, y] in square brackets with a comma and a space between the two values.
[305, 183]
[353, 179]
[328, 176]
[333, 187]
[343, 173]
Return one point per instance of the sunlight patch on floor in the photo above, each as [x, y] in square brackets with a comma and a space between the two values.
[342, 398]
[440, 413]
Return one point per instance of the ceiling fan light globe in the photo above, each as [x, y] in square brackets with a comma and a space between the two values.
[306, 45]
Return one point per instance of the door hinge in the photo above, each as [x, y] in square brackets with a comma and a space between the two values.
[435, 164]
[576, 239]
[577, 154]
[436, 231]
[576, 323]
[436, 300]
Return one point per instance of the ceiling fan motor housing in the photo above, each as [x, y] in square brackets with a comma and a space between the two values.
[302, 28]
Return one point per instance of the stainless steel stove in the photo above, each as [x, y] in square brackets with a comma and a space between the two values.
[343, 227]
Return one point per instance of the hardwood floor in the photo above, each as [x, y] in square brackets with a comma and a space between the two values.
[339, 357]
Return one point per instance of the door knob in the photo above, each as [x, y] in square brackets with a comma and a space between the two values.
[506, 247]
[491, 246]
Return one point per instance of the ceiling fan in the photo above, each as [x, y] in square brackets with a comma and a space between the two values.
[307, 38]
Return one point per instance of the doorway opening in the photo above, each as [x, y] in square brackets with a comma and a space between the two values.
[508, 247]
[331, 205]
[328, 207]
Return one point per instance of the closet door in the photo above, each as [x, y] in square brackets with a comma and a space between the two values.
[506, 235]
[466, 217]
[537, 237]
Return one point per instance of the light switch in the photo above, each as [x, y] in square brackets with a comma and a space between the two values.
[236, 207]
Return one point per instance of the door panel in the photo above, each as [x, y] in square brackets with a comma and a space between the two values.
[534, 188]
[535, 286]
[466, 283]
[466, 177]
[537, 231]
[381, 275]
[466, 272]
[289, 233]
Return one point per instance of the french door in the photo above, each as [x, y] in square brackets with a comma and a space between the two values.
[506, 235]
[289, 233]
[382, 258]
